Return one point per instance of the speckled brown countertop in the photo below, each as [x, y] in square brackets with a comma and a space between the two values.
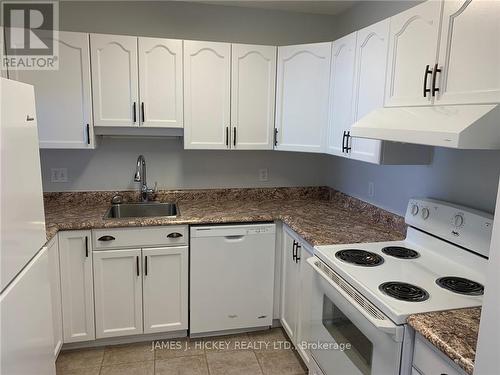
[454, 332]
[319, 215]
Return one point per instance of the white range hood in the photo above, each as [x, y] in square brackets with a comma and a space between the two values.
[457, 126]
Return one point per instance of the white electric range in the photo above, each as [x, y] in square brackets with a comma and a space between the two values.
[363, 293]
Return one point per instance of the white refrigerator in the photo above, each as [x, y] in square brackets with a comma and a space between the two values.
[26, 334]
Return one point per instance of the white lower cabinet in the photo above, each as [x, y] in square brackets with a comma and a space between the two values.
[118, 292]
[289, 286]
[295, 299]
[165, 289]
[77, 292]
[140, 289]
[55, 293]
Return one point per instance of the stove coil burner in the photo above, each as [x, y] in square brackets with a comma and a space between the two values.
[404, 291]
[461, 285]
[400, 252]
[360, 257]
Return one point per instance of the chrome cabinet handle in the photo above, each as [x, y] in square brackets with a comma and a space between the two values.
[174, 235]
[106, 238]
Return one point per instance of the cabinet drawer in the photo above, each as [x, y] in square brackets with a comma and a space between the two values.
[118, 238]
[429, 362]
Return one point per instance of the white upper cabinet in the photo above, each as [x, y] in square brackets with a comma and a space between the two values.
[341, 86]
[118, 292]
[369, 82]
[207, 78]
[302, 97]
[252, 96]
[160, 82]
[63, 96]
[413, 43]
[115, 80]
[469, 54]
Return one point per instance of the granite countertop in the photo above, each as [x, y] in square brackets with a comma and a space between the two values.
[454, 332]
[318, 215]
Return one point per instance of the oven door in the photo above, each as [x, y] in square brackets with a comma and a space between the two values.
[349, 335]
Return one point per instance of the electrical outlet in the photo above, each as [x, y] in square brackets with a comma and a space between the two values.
[59, 174]
[371, 189]
[263, 174]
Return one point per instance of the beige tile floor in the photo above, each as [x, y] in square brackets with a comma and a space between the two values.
[256, 353]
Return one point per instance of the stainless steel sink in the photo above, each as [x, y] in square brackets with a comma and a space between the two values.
[127, 210]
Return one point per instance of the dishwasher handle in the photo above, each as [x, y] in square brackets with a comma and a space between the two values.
[235, 238]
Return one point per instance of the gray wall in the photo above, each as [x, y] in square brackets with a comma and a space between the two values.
[112, 165]
[461, 176]
[174, 19]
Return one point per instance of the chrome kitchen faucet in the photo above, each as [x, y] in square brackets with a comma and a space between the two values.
[140, 176]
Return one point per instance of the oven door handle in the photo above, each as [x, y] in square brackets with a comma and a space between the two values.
[385, 325]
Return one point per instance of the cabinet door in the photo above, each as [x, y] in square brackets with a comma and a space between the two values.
[118, 292]
[469, 55]
[55, 293]
[289, 288]
[207, 68]
[160, 82]
[114, 80]
[413, 43]
[302, 96]
[369, 82]
[77, 293]
[253, 96]
[165, 289]
[63, 96]
[304, 305]
[341, 86]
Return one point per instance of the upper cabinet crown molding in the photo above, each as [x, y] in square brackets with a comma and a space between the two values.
[207, 101]
[115, 80]
[253, 96]
[160, 82]
[64, 96]
[302, 96]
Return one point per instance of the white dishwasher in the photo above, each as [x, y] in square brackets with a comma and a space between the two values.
[231, 277]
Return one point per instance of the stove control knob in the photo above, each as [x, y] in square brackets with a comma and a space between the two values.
[414, 210]
[458, 221]
[425, 213]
